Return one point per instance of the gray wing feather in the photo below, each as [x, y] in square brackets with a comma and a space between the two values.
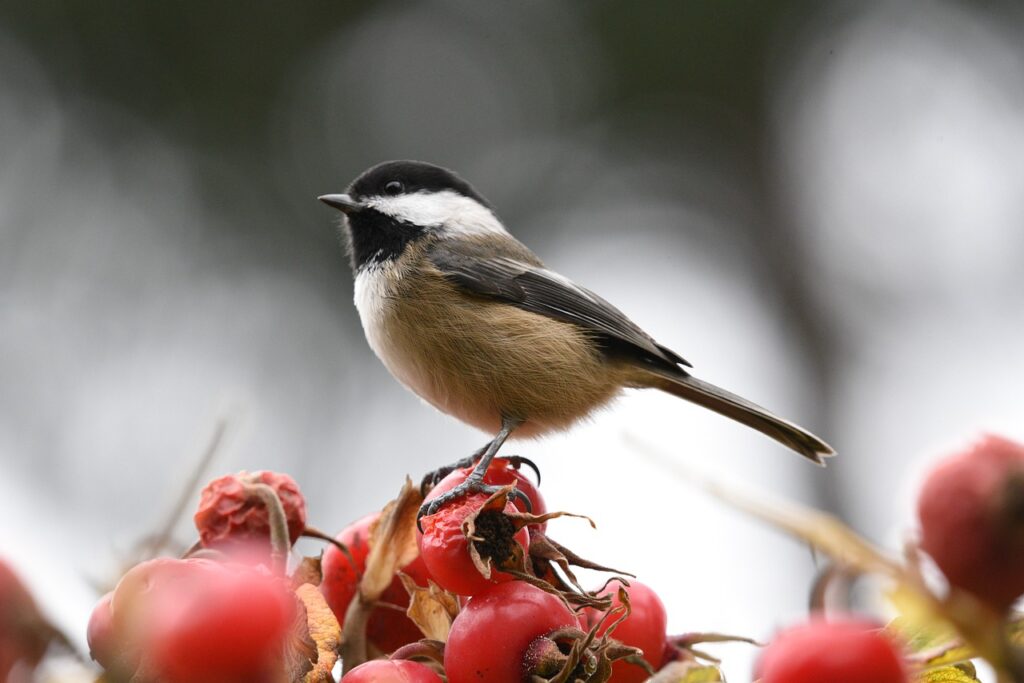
[537, 289]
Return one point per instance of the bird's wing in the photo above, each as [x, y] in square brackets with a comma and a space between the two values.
[534, 288]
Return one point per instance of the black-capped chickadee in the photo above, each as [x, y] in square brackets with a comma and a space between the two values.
[468, 318]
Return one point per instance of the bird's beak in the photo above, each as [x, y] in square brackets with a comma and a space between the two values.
[341, 202]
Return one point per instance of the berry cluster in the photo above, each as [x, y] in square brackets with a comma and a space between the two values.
[478, 591]
[486, 563]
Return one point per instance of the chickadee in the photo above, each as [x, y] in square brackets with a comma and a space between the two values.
[468, 318]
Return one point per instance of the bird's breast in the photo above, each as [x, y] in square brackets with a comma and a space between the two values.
[394, 316]
[476, 359]
[375, 291]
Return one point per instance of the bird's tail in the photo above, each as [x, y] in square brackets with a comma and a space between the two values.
[740, 409]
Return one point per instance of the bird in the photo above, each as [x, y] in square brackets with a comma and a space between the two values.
[468, 318]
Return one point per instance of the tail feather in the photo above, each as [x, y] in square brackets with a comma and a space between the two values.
[740, 409]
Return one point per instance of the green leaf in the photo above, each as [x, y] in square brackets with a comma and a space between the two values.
[702, 675]
[933, 645]
[687, 672]
[962, 673]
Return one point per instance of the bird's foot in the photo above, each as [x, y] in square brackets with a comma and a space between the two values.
[472, 484]
[430, 479]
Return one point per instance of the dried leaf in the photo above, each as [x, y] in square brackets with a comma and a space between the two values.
[324, 631]
[392, 542]
[308, 571]
[432, 609]
[392, 545]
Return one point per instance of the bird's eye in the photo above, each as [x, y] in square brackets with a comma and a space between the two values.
[394, 187]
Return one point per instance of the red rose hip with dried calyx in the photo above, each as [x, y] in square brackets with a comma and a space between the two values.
[644, 628]
[468, 566]
[233, 509]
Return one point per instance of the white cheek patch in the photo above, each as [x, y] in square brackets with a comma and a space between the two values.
[448, 210]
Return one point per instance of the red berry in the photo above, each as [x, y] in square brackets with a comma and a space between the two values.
[391, 671]
[24, 633]
[100, 634]
[446, 552]
[198, 621]
[971, 510]
[847, 651]
[500, 473]
[228, 517]
[388, 629]
[492, 634]
[645, 628]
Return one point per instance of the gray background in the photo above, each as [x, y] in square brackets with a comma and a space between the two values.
[820, 204]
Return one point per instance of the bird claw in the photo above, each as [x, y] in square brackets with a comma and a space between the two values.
[431, 479]
[469, 486]
[518, 461]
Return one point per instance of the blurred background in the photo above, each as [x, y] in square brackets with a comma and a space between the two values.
[819, 204]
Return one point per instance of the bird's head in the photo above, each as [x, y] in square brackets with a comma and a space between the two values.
[396, 203]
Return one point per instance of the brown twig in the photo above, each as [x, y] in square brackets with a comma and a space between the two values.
[213, 446]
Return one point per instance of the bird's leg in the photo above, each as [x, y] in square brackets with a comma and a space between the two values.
[474, 483]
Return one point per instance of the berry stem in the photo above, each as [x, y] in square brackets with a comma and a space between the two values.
[353, 634]
[313, 532]
[279, 540]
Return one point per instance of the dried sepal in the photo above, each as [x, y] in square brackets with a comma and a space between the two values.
[491, 533]
[683, 647]
[568, 654]
[588, 656]
[432, 608]
[529, 519]
[545, 554]
[688, 640]
[557, 656]
[392, 545]
[574, 655]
